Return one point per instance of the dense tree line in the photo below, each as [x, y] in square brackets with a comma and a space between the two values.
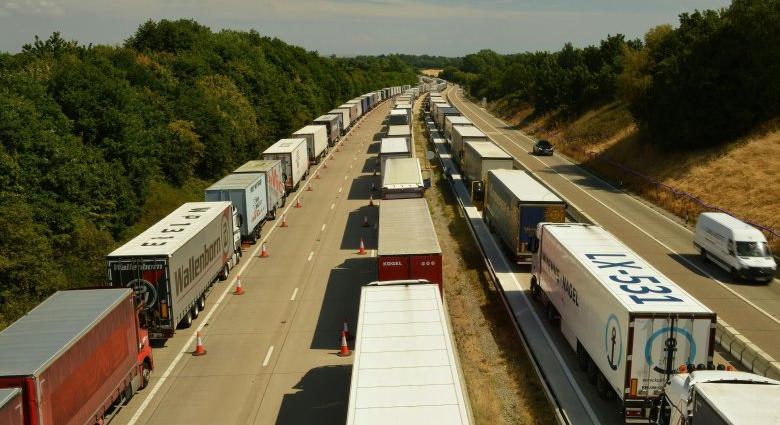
[86, 130]
[714, 77]
[430, 61]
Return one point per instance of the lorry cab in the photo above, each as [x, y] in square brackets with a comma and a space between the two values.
[735, 246]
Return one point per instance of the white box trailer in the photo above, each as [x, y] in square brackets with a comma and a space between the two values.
[275, 195]
[461, 135]
[400, 131]
[247, 193]
[481, 157]
[295, 160]
[354, 112]
[172, 264]
[359, 103]
[398, 117]
[316, 141]
[405, 107]
[393, 147]
[402, 178]
[332, 122]
[453, 120]
[406, 368]
[345, 119]
[631, 326]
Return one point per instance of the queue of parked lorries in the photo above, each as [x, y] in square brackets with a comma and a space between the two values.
[80, 353]
[638, 336]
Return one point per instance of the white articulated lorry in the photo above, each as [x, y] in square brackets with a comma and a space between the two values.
[173, 263]
[295, 160]
[316, 141]
[717, 397]
[631, 326]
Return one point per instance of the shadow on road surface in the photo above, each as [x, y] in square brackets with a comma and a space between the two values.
[322, 398]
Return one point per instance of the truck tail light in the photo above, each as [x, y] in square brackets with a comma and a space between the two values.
[164, 309]
[633, 412]
[632, 391]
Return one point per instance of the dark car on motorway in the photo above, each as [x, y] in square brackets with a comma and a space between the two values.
[543, 147]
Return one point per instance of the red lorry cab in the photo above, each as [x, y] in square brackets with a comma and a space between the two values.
[75, 356]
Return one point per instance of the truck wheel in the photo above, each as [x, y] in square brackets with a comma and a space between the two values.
[195, 310]
[201, 303]
[146, 373]
[534, 289]
[273, 214]
[582, 357]
[186, 321]
[253, 239]
[224, 274]
[593, 371]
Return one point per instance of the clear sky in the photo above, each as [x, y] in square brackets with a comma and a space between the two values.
[348, 27]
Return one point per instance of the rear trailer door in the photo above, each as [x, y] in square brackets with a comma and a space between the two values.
[393, 267]
[150, 279]
[530, 216]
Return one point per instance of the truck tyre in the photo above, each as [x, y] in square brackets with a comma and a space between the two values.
[593, 371]
[195, 310]
[273, 214]
[582, 357]
[534, 289]
[146, 373]
[186, 321]
[223, 275]
[202, 302]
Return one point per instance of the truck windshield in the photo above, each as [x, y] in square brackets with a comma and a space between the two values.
[752, 249]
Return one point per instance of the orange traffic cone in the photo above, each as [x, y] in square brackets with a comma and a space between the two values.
[239, 289]
[199, 349]
[370, 200]
[362, 249]
[344, 347]
[365, 222]
[298, 202]
[325, 164]
[345, 329]
[309, 188]
[264, 251]
[284, 221]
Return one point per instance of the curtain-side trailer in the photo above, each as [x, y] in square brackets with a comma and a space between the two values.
[247, 193]
[75, 357]
[631, 327]
[11, 406]
[392, 147]
[173, 263]
[294, 155]
[402, 178]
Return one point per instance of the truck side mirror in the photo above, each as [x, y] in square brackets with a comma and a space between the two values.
[534, 244]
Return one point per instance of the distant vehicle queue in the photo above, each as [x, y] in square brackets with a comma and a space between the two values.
[80, 354]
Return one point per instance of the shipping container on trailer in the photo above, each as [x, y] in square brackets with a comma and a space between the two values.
[406, 368]
[398, 117]
[631, 327]
[275, 195]
[11, 406]
[515, 203]
[453, 120]
[408, 245]
[294, 155]
[247, 193]
[402, 178]
[172, 264]
[316, 141]
[392, 147]
[461, 135]
[76, 356]
[481, 157]
[443, 112]
[332, 123]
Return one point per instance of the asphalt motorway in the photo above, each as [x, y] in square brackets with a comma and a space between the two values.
[753, 309]
[272, 352]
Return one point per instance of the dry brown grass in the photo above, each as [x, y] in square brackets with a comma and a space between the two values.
[741, 176]
[433, 72]
[500, 380]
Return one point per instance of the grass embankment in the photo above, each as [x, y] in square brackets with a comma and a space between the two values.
[502, 385]
[741, 176]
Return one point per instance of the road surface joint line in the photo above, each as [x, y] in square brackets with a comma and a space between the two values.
[322, 229]
[311, 254]
[294, 294]
[268, 356]
[689, 262]
[332, 206]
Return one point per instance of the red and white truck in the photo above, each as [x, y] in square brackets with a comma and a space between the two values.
[11, 406]
[632, 327]
[408, 245]
[75, 357]
[172, 264]
[295, 160]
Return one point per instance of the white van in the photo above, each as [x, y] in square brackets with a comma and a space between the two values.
[734, 245]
